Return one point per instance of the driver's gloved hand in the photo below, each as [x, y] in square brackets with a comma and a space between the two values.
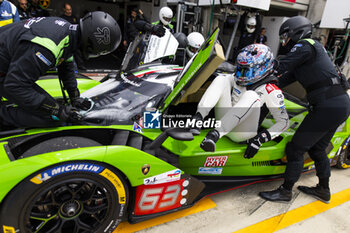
[255, 143]
[81, 103]
[158, 30]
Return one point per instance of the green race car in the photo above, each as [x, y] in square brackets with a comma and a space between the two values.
[121, 165]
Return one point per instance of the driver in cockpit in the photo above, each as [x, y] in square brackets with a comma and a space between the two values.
[238, 99]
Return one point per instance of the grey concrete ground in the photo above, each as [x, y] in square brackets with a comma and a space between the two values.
[238, 209]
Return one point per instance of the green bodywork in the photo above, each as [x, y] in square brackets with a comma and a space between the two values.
[129, 160]
[52, 86]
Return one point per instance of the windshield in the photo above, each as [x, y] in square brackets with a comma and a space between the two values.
[123, 100]
[147, 48]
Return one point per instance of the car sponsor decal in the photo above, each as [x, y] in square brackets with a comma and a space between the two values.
[157, 198]
[43, 58]
[8, 229]
[145, 169]
[337, 140]
[113, 178]
[210, 170]
[215, 161]
[137, 128]
[164, 177]
[58, 170]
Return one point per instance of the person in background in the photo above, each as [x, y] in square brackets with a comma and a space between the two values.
[26, 54]
[308, 63]
[165, 17]
[68, 15]
[188, 46]
[23, 9]
[249, 27]
[36, 10]
[262, 39]
[8, 13]
[131, 31]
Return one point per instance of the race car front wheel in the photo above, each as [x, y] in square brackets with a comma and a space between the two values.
[69, 198]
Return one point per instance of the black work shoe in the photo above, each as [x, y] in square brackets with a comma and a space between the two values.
[320, 193]
[209, 142]
[279, 195]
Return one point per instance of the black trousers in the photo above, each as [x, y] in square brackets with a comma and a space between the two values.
[314, 135]
[20, 116]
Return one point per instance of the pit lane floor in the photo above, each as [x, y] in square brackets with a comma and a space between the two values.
[243, 211]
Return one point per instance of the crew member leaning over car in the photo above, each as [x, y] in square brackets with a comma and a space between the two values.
[8, 13]
[252, 85]
[30, 48]
[308, 63]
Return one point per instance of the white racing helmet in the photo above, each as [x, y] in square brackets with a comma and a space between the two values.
[195, 41]
[165, 15]
[251, 24]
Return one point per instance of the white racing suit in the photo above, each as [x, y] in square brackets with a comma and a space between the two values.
[238, 109]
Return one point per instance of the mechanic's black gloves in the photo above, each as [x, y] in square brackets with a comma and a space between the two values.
[158, 30]
[68, 114]
[60, 112]
[255, 143]
[81, 103]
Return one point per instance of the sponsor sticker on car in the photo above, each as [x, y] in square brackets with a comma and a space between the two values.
[164, 177]
[113, 178]
[210, 170]
[48, 174]
[157, 198]
[215, 161]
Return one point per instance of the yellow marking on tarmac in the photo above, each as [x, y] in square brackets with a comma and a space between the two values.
[297, 215]
[126, 227]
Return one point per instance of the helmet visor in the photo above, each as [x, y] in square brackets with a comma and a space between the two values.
[284, 37]
[251, 26]
[167, 19]
[192, 49]
[244, 75]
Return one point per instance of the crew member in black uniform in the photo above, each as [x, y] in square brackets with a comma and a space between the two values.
[131, 31]
[308, 63]
[249, 27]
[30, 48]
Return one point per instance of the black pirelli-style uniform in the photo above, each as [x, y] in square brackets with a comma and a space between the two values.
[308, 63]
[29, 49]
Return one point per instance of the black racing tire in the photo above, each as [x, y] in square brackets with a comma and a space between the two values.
[71, 197]
[60, 143]
[343, 161]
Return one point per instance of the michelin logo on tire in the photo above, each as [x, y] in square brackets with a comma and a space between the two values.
[48, 174]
